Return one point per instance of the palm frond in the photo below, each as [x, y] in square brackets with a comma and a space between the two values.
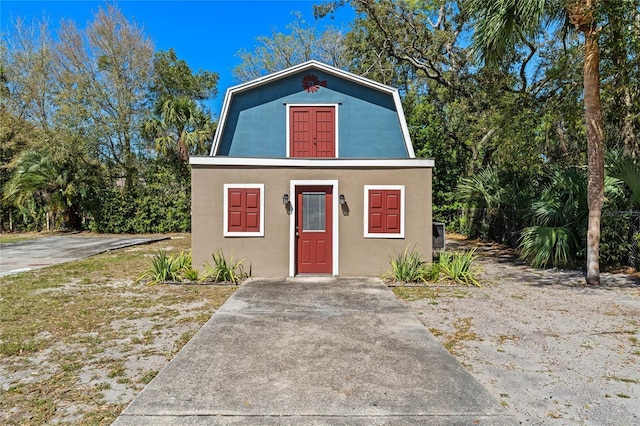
[546, 246]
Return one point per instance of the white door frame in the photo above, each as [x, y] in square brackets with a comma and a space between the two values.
[292, 221]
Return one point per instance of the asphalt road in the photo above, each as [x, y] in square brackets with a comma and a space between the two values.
[27, 255]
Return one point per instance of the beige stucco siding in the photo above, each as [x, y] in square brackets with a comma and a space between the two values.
[269, 256]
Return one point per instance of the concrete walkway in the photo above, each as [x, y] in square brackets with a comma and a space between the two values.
[24, 256]
[314, 351]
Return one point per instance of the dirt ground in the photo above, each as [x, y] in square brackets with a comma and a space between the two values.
[79, 340]
[549, 348]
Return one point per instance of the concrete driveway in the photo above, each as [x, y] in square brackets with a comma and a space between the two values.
[27, 255]
[314, 351]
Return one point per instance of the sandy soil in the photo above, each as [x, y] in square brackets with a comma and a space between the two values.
[549, 348]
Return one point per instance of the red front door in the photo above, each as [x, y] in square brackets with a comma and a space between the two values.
[312, 132]
[314, 253]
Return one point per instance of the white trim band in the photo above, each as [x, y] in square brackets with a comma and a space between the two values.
[315, 162]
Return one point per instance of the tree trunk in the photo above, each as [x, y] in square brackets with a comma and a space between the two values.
[183, 151]
[595, 152]
[623, 103]
[629, 140]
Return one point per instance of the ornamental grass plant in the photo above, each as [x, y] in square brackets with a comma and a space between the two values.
[457, 267]
[407, 266]
[221, 270]
[178, 268]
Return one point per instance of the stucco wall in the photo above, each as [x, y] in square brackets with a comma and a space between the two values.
[368, 124]
[268, 256]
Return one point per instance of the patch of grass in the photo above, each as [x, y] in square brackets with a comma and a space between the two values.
[18, 346]
[184, 338]
[418, 293]
[58, 323]
[116, 370]
[505, 338]
[148, 376]
[22, 236]
[623, 395]
[622, 379]
[453, 342]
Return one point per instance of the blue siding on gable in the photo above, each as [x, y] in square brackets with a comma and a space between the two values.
[368, 125]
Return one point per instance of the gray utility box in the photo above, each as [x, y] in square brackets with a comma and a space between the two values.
[439, 238]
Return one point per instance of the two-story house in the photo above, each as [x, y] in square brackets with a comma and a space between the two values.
[312, 171]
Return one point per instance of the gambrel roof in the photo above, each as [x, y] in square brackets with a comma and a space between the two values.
[308, 66]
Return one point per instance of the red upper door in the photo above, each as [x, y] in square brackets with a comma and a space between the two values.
[312, 131]
[314, 252]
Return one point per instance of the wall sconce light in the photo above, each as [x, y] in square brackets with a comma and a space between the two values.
[285, 199]
[343, 201]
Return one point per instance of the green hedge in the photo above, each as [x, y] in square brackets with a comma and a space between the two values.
[160, 203]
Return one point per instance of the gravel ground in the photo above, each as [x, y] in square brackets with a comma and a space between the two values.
[549, 348]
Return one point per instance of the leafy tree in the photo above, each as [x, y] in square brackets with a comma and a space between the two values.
[500, 25]
[620, 63]
[180, 125]
[74, 108]
[301, 43]
[104, 78]
[173, 78]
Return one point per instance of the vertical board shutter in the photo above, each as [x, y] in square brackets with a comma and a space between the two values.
[384, 211]
[244, 210]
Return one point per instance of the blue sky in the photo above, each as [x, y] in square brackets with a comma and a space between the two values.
[206, 33]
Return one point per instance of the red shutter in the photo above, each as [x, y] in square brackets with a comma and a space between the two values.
[384, 211]
[392, 203]
[243, 210]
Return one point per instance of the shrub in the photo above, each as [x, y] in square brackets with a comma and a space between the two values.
[407, 266]
[159, 203]
[547, 245]
[165, 267]
[225, 271]
[458, 267]
[190, 274]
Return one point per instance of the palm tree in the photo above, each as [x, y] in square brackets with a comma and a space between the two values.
[181, 127]
[559, 216]
[64, 186]
[628, 171]
[35, 182]
[502, 24]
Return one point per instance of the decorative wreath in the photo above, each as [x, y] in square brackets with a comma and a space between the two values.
[311, 83]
